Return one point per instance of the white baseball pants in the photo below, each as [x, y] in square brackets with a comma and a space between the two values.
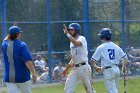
[19, 87]
[111, 76]
[82, 73]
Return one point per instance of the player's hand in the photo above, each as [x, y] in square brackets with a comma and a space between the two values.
[64, 72]
[123, 69]
[34, 78]
[98, 69]
[65, 29]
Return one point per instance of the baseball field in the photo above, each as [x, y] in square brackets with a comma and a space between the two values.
[132, 86]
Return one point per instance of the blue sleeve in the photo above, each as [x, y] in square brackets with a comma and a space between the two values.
[25, 53]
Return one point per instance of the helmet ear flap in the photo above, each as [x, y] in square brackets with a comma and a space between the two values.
[102, 37]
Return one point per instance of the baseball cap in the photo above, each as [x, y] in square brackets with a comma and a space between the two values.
[14, 29]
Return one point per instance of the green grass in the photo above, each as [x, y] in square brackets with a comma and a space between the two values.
[133, 86]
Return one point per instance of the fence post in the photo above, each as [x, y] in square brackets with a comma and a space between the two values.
[3, 7]
[123, 24]
[49, 38]
[86, 24]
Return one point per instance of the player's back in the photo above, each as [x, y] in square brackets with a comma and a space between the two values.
[111, 53]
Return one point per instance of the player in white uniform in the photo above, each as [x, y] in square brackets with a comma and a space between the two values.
[110, 55]
[79, 60]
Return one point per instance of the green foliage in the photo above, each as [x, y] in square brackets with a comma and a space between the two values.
[134, 29]
[116, 36]
[134, 33]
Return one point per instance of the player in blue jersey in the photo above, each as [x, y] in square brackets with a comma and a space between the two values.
[17, 63]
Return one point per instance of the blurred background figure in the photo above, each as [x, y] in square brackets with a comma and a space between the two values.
[132, 55]
[57, 72]
[134, 61]
[40, 65]
[44, 77]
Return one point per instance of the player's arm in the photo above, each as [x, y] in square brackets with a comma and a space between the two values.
[27, 58]
[76, 43]
[123, 59]
[93, 64]
[29, 65]
[95, 58]
[124, 62]
[67, 68]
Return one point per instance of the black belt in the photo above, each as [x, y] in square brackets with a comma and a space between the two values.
[109, 66]
[80, 64]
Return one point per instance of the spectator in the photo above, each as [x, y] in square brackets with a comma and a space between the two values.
[57, 72]
[40, 65]
[132, 56]
[134, 62]
[43, 78]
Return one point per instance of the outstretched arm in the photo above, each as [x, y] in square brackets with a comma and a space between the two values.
[76, 43]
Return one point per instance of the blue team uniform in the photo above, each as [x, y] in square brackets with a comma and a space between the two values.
[16, 54]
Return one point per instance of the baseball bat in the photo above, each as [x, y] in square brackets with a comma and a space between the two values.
[124, 77]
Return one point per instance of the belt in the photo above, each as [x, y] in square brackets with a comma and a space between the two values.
[109, 66]
[80, 64]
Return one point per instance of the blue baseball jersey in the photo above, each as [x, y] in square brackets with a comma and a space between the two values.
[16, 54]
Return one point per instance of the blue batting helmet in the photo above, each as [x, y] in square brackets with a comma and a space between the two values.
[76, 27]
[105, 33]
[14, 29]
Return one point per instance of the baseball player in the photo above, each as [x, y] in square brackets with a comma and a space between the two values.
[79, 60]
[110, 54]
[17, 63]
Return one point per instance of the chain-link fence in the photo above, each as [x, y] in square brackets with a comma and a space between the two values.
[42, 23]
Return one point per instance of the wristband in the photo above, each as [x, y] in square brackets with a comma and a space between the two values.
[68, 35]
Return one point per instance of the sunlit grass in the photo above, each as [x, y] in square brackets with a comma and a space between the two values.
[133, 86]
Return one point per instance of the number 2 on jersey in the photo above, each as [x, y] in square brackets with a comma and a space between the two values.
[111, 54]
